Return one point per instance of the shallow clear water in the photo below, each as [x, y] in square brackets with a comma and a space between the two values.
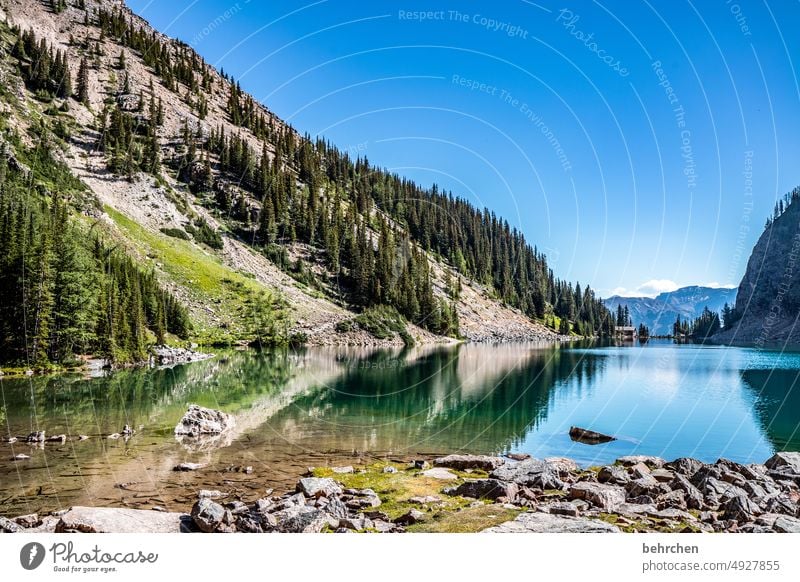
[336, 406]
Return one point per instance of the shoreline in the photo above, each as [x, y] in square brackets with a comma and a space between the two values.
[472, 493]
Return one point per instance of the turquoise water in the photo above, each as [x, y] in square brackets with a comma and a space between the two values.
[326, 406]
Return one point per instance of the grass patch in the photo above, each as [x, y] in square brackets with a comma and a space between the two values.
[211, 283]
[450, 514]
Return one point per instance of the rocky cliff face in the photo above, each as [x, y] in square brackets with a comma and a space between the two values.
[768, 298]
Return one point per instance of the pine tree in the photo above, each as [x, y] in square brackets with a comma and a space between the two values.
[82, 93]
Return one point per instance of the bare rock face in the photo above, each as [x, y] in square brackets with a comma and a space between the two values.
[549, 523]
[120, 520]
[199, 421]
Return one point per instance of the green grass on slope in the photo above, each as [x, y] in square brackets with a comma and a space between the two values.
[212, 285]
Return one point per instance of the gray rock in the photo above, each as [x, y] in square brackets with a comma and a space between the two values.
[530, 473]
[613, 474]
[650, 461]
[563, 509]
[590, 437]
[646, 485]
[335, 507]
[663, 475]
[411, 517]
[785, 524]
[121, 520]
[343, 470]
[518, 456]
[357, 523]
[694, 498]
[318, 487]
[30, 520]
[462, 462]
[389, 469]
[639, 470]
[439, 473]
[8, 526]
[20, 457]
[304, 519]
[676, 499]
[672, 513]
[382, 526]
[784, 460]
[740, 509]
[35, 437]
[686, 466]
[200, 421]
[536, 522]
[780, 503]
[188, 467]
[58, 438]
[485, 489]
[208, 515]
[210, 493]
[424, 500]
[601, 495]
[361, 499]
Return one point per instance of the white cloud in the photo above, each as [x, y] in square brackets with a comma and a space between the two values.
[653, 287]
[716, 285]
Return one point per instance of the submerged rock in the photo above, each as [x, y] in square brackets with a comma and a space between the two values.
[199, 421]
[589, 437]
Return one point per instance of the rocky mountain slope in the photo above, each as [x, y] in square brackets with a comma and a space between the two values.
[150, 130]
[768, 298]
[659, 313]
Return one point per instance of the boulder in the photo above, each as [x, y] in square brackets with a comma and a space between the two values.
[411, 517]
[650, 461]
[601, 495]
[784, 524]
[537, 522]
[740, 509]
[188, 467]
[357, 523]
[613, 474]
[589, 437]
[646, 485]
[686, 466]
[462, 462]
[304, 519]
[663, 475]
[530, 473]
[58, 438]
[485, 489]
[361, 499]
[30, 520]
[318, 487]
[121, 520]
[8, 526]
[694, 498]
[518, 456]
[343, 470]
[439, 473]
[676, 499]
[35, 437]
[200, 421]
[208, 515]
[562, 508]
[784, 460]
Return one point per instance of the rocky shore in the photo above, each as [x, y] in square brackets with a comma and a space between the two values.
[464, 493]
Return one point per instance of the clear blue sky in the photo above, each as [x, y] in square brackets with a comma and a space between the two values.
[619, 136]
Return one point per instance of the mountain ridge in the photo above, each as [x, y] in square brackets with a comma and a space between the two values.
[170, 149]
[660, 312]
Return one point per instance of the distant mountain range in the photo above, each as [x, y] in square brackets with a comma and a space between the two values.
[659, 313]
